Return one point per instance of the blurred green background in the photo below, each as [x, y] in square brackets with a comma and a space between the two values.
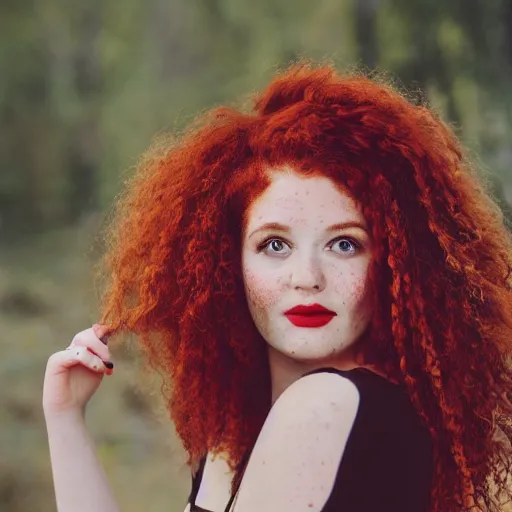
[86, 86]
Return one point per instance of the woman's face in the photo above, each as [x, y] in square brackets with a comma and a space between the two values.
[296, 251]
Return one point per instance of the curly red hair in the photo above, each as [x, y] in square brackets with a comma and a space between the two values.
[442, 322]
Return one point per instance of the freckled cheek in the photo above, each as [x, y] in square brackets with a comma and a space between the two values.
[262, 291]
[352, 286]
[359, 288]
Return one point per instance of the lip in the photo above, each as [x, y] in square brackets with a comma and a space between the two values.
[314, 315]
[311, 309]
[310, 320]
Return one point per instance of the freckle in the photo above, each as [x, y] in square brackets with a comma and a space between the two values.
[310, 505]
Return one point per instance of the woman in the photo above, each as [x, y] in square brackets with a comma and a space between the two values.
[325, 284]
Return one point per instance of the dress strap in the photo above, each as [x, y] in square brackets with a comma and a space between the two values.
[244, 462]
[196, 482]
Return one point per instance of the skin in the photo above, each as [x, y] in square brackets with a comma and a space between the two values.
[72, 377]
[306, 264]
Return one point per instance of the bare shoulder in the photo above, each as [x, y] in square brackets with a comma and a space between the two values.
[319, 391]
[296, 457]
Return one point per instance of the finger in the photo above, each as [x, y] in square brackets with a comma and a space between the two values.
[74, 356]
[89, 340]
[99, 331]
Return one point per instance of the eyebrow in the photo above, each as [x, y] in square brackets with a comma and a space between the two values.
[276, 226]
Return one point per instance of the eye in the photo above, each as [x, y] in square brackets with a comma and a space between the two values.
[344, 244]
[273, 246]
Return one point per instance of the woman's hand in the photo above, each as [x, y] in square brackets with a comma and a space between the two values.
[73, 375]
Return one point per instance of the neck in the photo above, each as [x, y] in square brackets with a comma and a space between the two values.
[284, 370]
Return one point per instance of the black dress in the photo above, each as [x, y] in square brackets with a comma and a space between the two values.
[388, 459]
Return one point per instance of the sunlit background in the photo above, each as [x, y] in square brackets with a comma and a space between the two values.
[84, 89]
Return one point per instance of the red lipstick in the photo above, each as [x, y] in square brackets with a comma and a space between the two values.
[314, 315]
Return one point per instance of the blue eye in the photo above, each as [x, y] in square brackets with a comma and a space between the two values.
[347, 243]
[276, 244]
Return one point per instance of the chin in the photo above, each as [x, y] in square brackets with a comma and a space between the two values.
[309, 346]
[311, 356]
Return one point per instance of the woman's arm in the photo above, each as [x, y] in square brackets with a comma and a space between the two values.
[79, 479]
[72, 377]
[294, 463]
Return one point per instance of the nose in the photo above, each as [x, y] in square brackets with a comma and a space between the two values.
[307, 274]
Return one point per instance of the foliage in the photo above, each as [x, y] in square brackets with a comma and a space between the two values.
[86, 86]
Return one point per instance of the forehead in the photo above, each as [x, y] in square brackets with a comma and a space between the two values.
[291, 198]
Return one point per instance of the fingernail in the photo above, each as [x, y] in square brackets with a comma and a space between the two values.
[108, 364]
